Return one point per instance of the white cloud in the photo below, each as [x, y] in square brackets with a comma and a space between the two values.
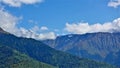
[9, 23]
[35, 35]
[18, 3]
[35, 29]
[49, 35]
[39, 29]
[114, 3]
[82, 28]
[43, 28]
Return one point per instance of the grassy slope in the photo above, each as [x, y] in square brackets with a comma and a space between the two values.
[10, 58]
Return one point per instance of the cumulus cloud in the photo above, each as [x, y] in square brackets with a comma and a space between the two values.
[18, 3]
[9, 23]
[82, 28]
[43, 28]
[114, 3]
[49, 35]
[39, 36]
[39, 29]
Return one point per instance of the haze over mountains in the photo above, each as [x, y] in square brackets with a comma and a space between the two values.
[97, 46]
[17, 48]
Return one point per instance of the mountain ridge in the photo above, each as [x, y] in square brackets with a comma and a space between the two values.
[96, 46]
[43, 53]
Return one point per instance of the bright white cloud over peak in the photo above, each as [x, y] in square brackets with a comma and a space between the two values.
[18, 3]
[9, 23]
[82, 28]
[39, 36]
[114, 3]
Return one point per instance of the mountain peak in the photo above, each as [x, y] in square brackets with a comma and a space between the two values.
[2, 31]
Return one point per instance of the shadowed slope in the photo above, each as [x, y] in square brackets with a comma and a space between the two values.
[43, 53]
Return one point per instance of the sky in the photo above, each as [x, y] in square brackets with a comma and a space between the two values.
[46, 19]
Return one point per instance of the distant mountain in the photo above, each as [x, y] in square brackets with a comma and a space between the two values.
[96, 46]
[10, 58]
[43, 53]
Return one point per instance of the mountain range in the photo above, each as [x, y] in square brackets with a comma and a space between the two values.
[18, 52]
[103, 47]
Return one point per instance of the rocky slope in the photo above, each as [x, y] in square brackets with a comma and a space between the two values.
[96, 46]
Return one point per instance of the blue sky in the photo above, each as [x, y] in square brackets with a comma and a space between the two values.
[54, 14]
